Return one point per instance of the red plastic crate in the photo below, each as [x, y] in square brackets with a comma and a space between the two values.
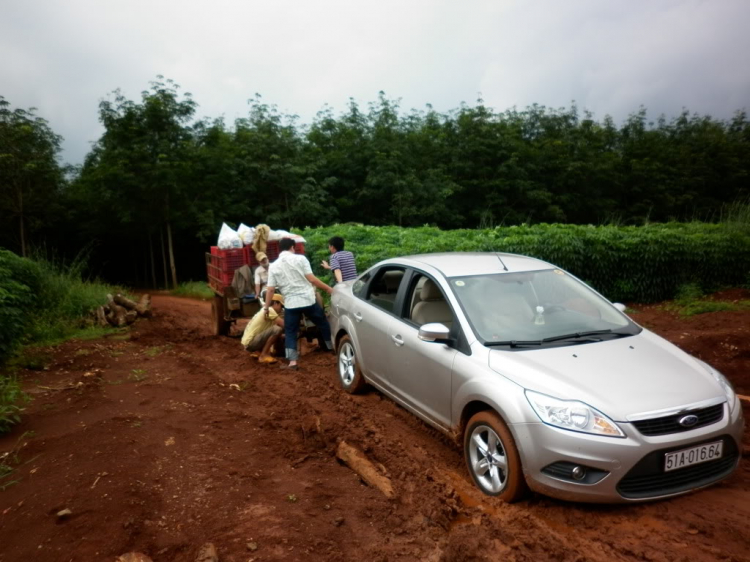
[272, 251]
[224, 263]
[229, 259]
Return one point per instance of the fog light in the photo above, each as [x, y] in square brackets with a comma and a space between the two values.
[578, 473]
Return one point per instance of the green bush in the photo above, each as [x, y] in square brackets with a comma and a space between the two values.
[10, 398]
[20, 280]
[629, 264]
[194, 289]
[41, 302]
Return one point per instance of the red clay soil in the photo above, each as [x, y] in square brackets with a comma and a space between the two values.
[169, 438]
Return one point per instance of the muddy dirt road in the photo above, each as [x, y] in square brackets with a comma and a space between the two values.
[169, 438]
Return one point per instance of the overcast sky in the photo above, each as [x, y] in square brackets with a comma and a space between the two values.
[610, 56]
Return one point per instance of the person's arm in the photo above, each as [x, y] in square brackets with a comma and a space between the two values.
[324, 265]
[318, 283]
[279, 322]
[257, 283]
[337, 275]
[269, 297]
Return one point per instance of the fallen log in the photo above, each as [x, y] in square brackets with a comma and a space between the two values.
[130, 316]
[101, 317]
[359, 463]
[207, 553]
[133, 557]
[116, 315]
[125, 301]
[142, 307]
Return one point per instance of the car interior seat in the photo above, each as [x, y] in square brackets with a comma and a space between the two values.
[432, 306]
[384, 292]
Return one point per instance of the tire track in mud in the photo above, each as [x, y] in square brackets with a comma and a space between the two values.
[431, 482]
[215, 447]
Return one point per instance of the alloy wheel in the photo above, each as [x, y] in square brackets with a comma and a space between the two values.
[487, 459]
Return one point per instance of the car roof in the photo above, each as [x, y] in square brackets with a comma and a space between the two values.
[454, 264]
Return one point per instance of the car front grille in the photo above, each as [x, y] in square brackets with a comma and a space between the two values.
[671, 424]
[647, 479]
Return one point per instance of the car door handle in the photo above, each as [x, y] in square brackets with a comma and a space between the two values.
[358, 317]
[397, 340]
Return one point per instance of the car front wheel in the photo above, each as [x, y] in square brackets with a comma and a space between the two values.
[492, 457]
[350, 375]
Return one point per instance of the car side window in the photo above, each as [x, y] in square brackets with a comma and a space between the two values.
[358, 288]
[383, 288]
[427, 303]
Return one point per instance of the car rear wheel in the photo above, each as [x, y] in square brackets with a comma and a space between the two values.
[350, 375]
[492, 457]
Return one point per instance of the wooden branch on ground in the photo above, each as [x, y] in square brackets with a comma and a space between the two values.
[360, 464]
[101, 317]
[142, 307]
[116, 315]
[121, 311]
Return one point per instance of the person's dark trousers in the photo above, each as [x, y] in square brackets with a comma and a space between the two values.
[292, 316]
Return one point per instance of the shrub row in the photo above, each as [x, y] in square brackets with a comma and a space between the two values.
[40, 302]
[628, 264]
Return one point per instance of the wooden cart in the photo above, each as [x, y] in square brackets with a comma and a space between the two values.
[227, 305]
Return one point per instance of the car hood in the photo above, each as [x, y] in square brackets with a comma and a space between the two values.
[620, 378]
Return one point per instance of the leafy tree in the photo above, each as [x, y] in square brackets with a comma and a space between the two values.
[30, 175]
[137, 173]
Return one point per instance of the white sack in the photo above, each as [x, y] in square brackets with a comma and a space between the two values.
[279, 234]
[246, 233]
[228, 238]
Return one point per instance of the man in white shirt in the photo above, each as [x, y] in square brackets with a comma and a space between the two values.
[292, 276]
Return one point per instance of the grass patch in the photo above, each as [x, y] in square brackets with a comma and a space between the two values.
[193, 289]
[32, 357]
[11, 460]
[137, 375]
[703, 307]
[691, 301]
[156, 350]
[119, 337]
[11, 396]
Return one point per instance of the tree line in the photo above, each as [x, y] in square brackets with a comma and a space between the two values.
[155, 188]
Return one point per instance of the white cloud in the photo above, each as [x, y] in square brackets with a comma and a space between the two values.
[64, 56]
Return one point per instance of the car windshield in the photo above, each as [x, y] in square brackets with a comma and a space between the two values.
[537, 308]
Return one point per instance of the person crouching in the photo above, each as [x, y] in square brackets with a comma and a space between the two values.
[264, 330]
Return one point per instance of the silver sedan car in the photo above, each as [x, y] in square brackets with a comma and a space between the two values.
[548, 385]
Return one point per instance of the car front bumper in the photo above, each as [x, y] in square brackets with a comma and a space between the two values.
[626, 469]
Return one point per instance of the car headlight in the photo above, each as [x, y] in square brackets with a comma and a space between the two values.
[572, 414]
[726, 386]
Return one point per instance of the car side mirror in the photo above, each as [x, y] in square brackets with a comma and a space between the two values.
[434, 332]
[619, 306]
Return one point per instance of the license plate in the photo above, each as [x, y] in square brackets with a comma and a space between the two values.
[693, 455]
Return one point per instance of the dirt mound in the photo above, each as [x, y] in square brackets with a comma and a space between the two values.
[170, 438]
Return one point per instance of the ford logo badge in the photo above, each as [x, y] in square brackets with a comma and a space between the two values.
[688, 421]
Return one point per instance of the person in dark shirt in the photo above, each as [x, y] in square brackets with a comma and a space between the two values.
[342, 262]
